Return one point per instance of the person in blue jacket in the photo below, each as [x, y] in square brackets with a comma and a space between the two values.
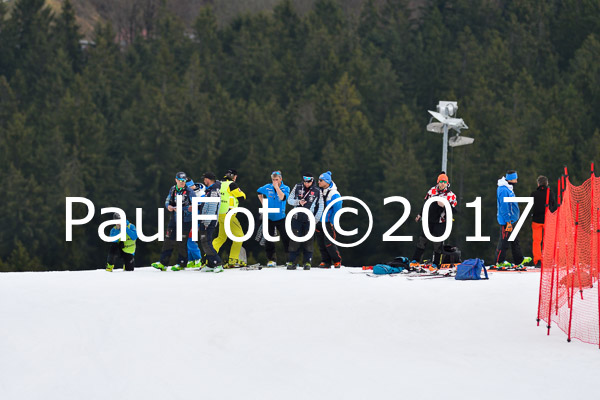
[122, 249]
[194, 254]
[508, 215]
[330, 256]
[276, 193]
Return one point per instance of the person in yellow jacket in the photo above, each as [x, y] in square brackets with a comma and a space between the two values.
[230, 198]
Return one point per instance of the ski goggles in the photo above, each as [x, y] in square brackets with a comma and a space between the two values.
[307, 178]
[275, 174]
[443, 182]
[181, 179]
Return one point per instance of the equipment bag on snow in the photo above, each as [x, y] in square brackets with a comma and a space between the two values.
[471, 270]
[383, 269]
[399, 262]
[450, 255]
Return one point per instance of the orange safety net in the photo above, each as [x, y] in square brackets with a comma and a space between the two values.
[569, 291]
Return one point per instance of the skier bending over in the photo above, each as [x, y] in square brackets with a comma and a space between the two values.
[125, 250]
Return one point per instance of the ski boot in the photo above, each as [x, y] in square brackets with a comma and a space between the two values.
[206, 268]
[306, 266]
[158, 265]
[323, 265]
[522, 266]
[234, 263]
[109, 267]
[271, 264]
[177, 267]
[526, 260]
[217, 269]
[238, 264]
[413, 266]
[290, 266]
[191, 264]
[337, 265]
[504, 266]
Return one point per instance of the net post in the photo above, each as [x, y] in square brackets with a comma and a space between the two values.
[560, 190]
[572, 274]
[546, 211]
[598, 270]
[556, 288]
[557, 254]
[572, 304]
[592, 225]
[550, 302]
[560, 186]
[540, 292]
[554, 266]
[575, 260]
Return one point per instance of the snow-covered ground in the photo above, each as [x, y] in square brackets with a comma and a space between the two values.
[278, 334]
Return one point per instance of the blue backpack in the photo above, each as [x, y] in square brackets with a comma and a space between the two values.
[383, 269]
[470, 270]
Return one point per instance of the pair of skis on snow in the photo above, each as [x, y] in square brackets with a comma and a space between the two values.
[512, 268]
[416, 271]
[258, 266]
[417, 275]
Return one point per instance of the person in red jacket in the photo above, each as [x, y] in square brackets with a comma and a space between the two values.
[437, 219]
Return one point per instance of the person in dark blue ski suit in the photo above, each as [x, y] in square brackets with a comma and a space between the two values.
[306, 195]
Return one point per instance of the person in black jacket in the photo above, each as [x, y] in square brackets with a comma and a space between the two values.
[171, 241]
[208, 227]
[538, 216]
[308, 195]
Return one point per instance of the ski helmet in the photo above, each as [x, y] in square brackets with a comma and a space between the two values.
[230, 173]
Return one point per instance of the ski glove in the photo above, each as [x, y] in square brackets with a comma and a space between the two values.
[509, 227]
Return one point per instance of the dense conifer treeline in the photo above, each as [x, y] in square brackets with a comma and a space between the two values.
[277, 90]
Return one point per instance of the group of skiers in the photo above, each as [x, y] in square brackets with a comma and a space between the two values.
[507, 215]
[314, 197]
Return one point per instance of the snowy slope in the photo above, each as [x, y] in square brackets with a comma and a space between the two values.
[278, 334]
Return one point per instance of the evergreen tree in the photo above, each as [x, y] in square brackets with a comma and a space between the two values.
[67, 36]
[288, 89]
